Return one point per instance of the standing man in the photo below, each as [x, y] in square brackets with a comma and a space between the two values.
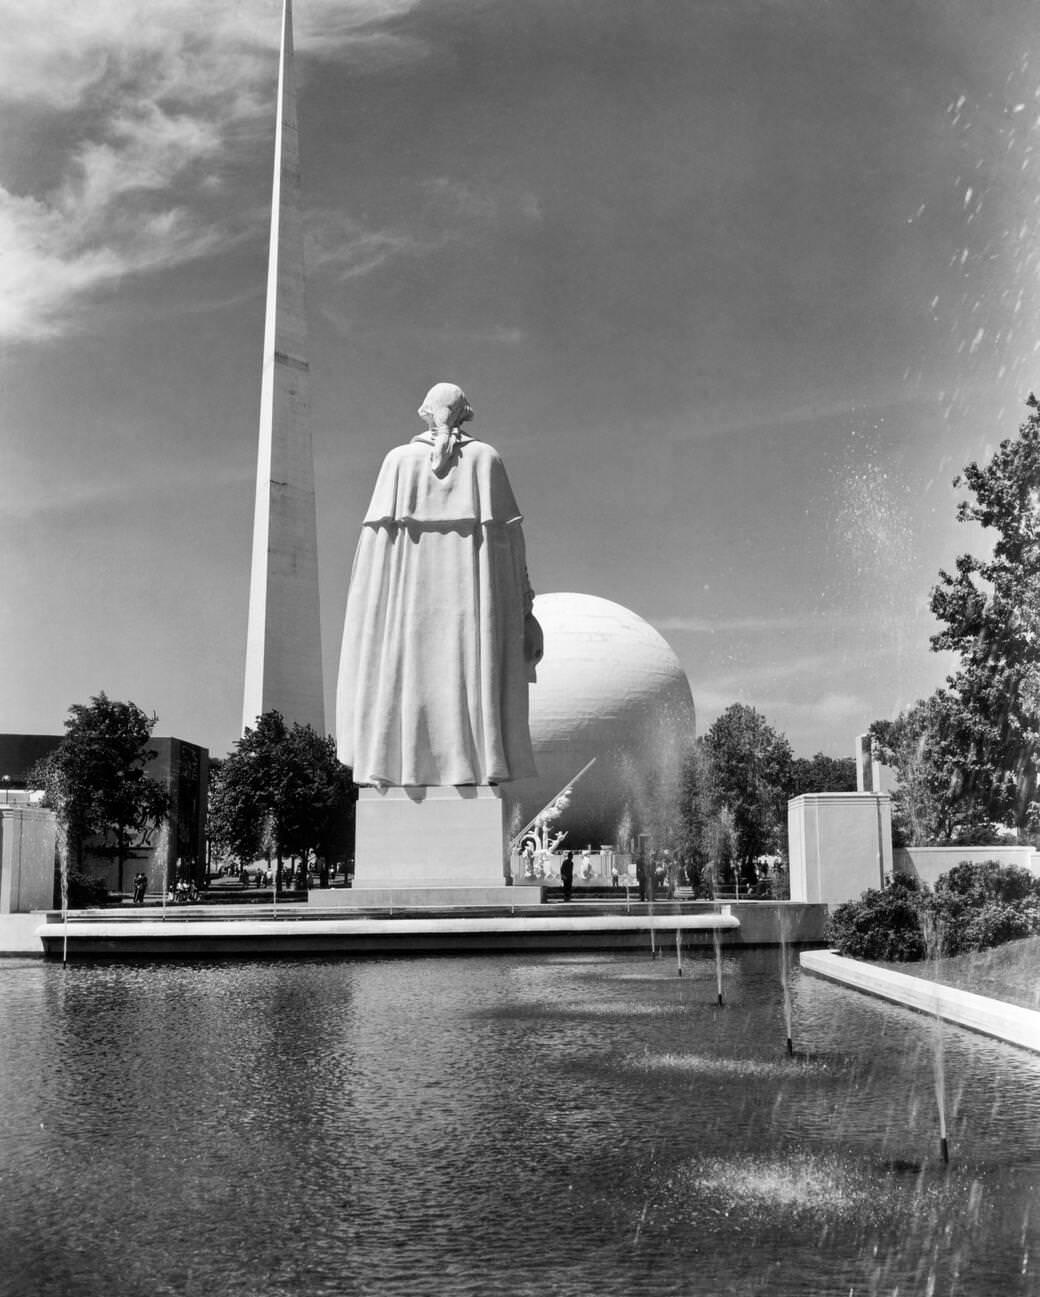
[567, 875]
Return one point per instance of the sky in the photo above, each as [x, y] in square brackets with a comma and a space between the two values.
[736, 287]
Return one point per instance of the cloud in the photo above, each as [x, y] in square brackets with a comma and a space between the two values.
[722, 625]
[153, 97]
[342, 247]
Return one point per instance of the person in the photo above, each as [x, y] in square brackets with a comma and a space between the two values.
[140, 887]
[439, 638]
[641, 876]
[615, 877]
[567, 875]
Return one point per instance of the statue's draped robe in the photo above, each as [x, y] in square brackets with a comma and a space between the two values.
[432, 680]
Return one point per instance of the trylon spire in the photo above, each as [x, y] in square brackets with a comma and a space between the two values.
[283, 647]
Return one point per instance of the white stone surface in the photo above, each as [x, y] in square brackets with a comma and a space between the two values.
[283, 645]
[429, 837]
[27, 841]
[353, 898]
[1009, 1022]
[19, 934]
[840, 844]
[927, 863]
[610, 687]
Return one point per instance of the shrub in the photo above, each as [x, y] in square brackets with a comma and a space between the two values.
[882, 924]
[976, 906]
[85, 892]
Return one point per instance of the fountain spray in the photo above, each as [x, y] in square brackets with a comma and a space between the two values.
[63, 861]
[785, 977]
[717, 943]
[678, 951]
[933, 946]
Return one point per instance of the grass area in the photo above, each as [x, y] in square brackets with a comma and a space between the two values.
[1010, 972]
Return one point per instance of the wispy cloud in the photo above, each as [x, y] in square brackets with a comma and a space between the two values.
[343, 248]
[156, 94]
[812, 621]
[712, 626]
[24, 497]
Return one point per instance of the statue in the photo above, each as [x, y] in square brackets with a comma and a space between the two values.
[439, 641]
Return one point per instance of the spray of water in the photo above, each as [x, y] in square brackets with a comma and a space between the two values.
[63, 866]
[933, 948]
[785, 977]
[162, 854]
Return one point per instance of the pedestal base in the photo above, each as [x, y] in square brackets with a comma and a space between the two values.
[429, 837]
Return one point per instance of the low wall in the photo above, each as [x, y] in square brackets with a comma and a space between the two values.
[19, 934]
[927, 863]
[1009, 1022]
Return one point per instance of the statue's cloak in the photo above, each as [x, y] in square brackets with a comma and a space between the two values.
[432, 679]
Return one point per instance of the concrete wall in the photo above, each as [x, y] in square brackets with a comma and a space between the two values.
[927, 863]
[27, 841]
[840, 844]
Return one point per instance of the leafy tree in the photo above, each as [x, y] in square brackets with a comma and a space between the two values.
[751, 767]
[95, 779]
[991, 611]
[284, 788]
[924, 745]
[822, 774]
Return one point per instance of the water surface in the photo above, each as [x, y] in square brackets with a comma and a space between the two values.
[545, 1125]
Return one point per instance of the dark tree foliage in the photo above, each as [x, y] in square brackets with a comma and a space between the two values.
[751, 773]
[284, 787]
[925, 746]
[991, 611]
[822, 774]
[95, 779]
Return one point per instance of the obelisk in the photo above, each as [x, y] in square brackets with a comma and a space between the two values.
[283, 646]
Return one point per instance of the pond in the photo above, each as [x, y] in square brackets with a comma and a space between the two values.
[507, 1125]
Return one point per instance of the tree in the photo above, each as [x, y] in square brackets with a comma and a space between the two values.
[991, 611]
[284, 786]
[751, 768]
[822, 774]
[924, 745]
[95, 778]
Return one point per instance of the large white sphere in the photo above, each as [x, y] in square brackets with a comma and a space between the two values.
[609, 687]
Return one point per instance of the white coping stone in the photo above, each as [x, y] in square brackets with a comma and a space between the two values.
[1008, 1022]
[20, 934]
[382, 898]
[252, 928]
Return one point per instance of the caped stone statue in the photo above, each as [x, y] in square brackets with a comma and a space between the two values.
[439, 641]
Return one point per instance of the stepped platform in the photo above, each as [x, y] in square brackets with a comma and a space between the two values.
[306, 930]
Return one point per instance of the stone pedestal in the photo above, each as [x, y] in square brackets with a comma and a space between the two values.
[27, 839]
[840, 844]
[429, 838]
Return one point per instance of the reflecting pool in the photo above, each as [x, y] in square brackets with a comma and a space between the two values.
[548, 1125]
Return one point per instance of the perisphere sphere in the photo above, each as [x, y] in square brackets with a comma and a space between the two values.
[610, 688]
